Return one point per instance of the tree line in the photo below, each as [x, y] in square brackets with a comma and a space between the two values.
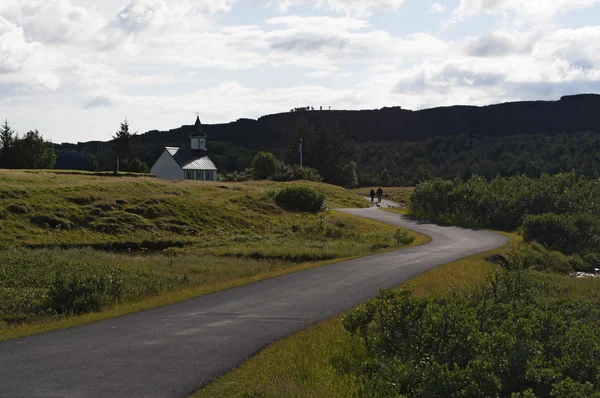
[29, 151]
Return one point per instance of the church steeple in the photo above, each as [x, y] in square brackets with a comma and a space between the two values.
[198, 137]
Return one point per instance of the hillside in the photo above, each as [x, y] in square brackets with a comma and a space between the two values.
[510, 138]
[48, 209]
[570, 114]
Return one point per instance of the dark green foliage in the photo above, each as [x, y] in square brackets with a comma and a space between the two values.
[568, 233]
[505, 337]
[504, 202]
[46, 282]
[285, 172]
[300, 198]
[325, 150]
[348, 176]
[29, 152]
[6, 144]
[126, 151]
[264, 165]
[123, 141]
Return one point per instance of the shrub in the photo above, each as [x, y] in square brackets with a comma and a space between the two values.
[286, 172]
[300, 198]
[504, 202]
[567, 233]
[503, 338]
[264, 165]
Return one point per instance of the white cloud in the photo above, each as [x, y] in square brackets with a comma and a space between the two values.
[52, 21]
[159, 61]
[320, 73]
[348, 7]
[15, 49]
[437, 7]
[526, 10]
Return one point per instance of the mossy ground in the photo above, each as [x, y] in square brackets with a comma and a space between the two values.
[186, 238]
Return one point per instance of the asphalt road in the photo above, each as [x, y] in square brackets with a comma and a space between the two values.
[172, 351]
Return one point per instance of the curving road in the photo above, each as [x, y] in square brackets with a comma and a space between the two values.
[172, 351]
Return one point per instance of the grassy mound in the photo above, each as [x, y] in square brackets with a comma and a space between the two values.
[79, 248]
[45, 209]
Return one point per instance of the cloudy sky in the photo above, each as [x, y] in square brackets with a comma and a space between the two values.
[74, 69]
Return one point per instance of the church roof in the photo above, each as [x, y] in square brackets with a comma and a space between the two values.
[189, 159]
[198, 129]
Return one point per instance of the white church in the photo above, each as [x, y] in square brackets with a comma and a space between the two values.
[190, 163]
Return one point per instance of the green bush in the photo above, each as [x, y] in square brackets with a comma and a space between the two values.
[504, 202]
[568, 233]
[300, 198]
[264, 165]
[502, 339]
[286, 172]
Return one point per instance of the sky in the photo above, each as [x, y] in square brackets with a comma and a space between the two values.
[75, 69]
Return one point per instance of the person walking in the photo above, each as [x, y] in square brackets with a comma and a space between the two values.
[372, 195]
[379, 194]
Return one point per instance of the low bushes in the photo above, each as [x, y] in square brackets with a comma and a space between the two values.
[568, 233]
[505, 338]
[39, 283]
[300, 198]
[285, 172]
[504, 202]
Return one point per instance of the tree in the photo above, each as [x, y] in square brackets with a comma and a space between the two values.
[385, 178]
[32, 152]
[264, 165]
[93, 162]
[6, 143]
[123, 144]
[348, 175]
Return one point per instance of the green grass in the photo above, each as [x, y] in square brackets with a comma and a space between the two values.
[46, 208]
[313, 362]
[240, 236]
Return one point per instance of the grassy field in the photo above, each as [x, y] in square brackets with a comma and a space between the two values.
[395, 194]
[161, 242]
[316, 362]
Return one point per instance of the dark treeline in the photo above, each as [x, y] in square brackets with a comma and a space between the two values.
[28, 151]
[396, 163]
[408, 163]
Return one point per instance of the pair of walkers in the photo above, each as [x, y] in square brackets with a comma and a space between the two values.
[379, 194]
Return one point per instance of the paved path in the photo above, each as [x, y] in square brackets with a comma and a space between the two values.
[173, 350]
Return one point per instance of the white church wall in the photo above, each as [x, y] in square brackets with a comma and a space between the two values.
[166, 168]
